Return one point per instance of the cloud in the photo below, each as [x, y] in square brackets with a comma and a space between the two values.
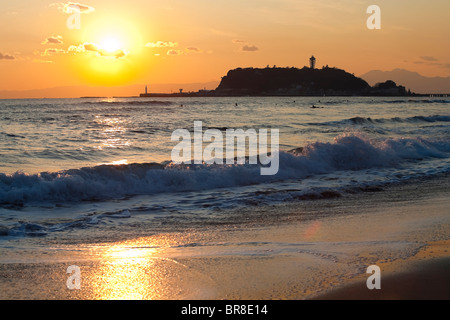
[432, 61]
[192, 50]
[171, 48]
[116, 54]
[250, 48]
[161, 44]
[179, 52]
[92, 47]
[428, 58]
[6, 57]
[52, 51]
[245, 46]
[173, 52]
[76, 49]
[53, 40]
[72, 7]
[41, 61]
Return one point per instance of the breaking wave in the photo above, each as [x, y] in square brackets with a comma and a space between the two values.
[350, 151]
[411, 120]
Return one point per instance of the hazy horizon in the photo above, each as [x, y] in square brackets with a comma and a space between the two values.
[420, 85]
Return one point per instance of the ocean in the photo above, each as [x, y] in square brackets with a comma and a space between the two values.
[70, 164]
[78, 173]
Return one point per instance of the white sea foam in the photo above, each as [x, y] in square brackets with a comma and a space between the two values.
[350, 151]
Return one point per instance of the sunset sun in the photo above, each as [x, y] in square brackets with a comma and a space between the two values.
[110, 44]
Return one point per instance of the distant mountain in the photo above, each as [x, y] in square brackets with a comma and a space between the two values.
[120, 91]
[410, 80]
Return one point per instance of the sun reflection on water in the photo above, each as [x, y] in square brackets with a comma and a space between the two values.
[123, 274]
[140, 270]
[112, 132]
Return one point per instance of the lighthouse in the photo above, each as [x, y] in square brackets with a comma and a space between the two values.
[145, 89]
[312, 62]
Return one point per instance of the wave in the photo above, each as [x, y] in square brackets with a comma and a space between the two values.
[362, 120]
[12, 135]
[375, 100]
[417, 101]
[350, 151]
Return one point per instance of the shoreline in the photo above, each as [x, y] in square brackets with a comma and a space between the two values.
[308, 250]
[422, 277]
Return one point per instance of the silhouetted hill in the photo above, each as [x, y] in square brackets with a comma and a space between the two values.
[411, 80]
[294, 81]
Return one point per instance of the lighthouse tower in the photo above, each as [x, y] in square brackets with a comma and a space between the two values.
[312, 62]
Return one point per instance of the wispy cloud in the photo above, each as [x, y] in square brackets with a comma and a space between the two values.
[95, 48]
[6, 57]
[186, 51]
[250, 48]
[52, 51]
[53, 40]
[192, 50]
[91, 47]
[432, 61]
[41, 61]
[173, 52]
[172, 47]
[428, 58]
[71, 7]
[76, 49]
[245, 46]
[161, 44]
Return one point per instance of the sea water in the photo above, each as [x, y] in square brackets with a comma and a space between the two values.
[91, 169]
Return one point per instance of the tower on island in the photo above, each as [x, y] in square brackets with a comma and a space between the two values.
[312, 62]
[145, 89]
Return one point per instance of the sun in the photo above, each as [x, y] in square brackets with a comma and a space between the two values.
[110, 44]
[114, 56]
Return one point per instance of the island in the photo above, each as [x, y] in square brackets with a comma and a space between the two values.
[301, 82]
[291, 81]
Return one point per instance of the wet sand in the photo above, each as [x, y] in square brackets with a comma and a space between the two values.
[429, 280]
[303, 250]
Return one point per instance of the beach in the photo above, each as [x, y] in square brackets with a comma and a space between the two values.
[306, 250]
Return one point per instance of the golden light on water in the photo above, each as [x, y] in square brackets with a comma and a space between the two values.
[112, 132]
[124, 276]
[141, 269]
[119, 162]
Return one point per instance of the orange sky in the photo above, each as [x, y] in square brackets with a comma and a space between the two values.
[144, 42]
